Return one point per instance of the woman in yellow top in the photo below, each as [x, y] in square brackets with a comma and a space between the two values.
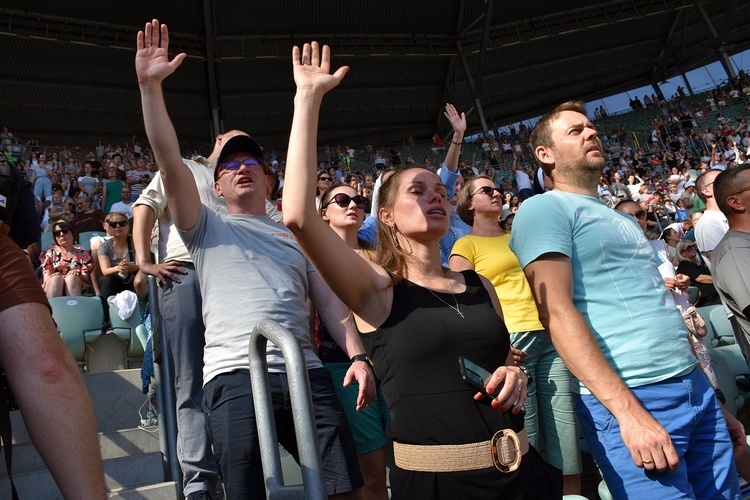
[550, 421]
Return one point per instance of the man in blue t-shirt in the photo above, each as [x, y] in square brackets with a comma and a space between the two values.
[650, 419]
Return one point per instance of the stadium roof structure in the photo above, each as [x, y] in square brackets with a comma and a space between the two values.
[68, 75]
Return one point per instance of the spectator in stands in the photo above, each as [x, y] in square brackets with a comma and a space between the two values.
[125, 205]
[731, 257]
[408, 290]
[549, 405]
[88, 183]
[619, 189]
[46, 381]
[344, 211]
[138, 178]
[523, 181]
[55, 209]
[688, 197]
[325, 180]
[112, 190]
[275, 283]
[671, 237]
[66, 268]
[42, 179]
[690, 264]
[574, 279]
[712, 227]
[86, 218]
[117, 261]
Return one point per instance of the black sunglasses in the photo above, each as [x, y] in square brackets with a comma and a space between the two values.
[115, 223]
[60, 232]
[324, 178]
[489, 191]
[343, 200]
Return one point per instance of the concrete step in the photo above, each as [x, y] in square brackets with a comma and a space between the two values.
[111, 444]
[116, 396]
[160, 491]
[120, 473]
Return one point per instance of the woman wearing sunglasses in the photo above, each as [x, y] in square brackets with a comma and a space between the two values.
[344, 211]
[700, 277]
[117, 260]
[325, 181]
[549, 405]
[416, 318]
[66, 268]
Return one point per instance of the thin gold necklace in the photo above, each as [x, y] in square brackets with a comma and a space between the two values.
[445, 275]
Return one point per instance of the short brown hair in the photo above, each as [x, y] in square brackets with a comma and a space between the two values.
[542, 133]
[702, 182]
[727, 183]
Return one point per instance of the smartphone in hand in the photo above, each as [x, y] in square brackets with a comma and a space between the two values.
[473, 375]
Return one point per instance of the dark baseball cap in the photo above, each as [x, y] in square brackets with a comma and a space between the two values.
[238, 144]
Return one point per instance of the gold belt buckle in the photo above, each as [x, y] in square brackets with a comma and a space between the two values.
[506, 450]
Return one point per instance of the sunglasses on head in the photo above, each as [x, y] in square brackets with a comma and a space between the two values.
[60, 232]
[489, 191]
[235, 165]
[115, 223]
[343, 200]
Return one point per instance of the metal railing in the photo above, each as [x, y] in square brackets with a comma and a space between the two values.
[165, 395]
[313, 487]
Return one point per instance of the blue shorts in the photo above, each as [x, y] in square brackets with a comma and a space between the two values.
[688, 409]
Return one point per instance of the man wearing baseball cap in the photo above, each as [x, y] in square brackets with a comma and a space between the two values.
[250, 269]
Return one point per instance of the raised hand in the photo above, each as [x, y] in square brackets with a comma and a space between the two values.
[152, 64]
[457, 121]
[312, 68]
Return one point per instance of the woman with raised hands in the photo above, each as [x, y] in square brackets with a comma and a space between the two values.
[416, 318]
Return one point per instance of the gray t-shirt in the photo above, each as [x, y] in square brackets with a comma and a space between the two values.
[250, 269]
[731, 273]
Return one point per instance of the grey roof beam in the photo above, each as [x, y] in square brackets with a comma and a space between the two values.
[717, 41]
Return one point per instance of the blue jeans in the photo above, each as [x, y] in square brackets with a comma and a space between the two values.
[42, 188]
[688, 409]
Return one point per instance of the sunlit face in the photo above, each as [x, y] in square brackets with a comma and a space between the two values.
[116, 226]
[576, 147]
[484, 197]
[346, 216]
[421, 208]
[246, 181]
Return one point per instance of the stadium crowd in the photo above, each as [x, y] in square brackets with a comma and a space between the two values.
[530, 272]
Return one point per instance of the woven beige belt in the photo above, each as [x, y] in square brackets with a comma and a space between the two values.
[504, 451]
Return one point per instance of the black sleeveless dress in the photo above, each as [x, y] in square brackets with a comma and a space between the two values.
[415, 354]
